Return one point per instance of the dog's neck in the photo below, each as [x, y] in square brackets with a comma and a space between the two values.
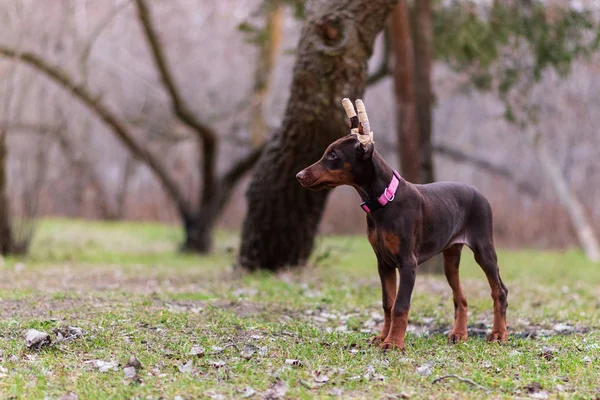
[377, 177]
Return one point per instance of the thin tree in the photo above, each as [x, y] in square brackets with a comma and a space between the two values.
[408, 134]
[5, 227]
[423, 50]
[507, 54]
[198, 219]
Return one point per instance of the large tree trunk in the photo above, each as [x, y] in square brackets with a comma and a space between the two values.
[5, 228]
[335, 44]
[404, 90]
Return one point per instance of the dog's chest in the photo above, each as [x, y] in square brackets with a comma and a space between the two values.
[385, 243]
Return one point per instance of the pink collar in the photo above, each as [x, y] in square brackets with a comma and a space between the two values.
[388, 195]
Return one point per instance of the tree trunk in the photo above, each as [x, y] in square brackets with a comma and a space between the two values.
[423, 31]
[5, 228]
[335, 44]
[583, 229]
[404, 90]
[121, 201]
[198, 233]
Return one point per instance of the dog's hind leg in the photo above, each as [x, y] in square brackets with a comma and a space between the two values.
[485, 255]
[451, 265]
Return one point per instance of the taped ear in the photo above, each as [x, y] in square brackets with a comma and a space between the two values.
[365, 151]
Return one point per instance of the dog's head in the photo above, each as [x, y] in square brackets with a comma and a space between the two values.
[345, 158]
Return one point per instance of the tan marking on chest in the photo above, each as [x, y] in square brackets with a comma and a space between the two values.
[391, 242]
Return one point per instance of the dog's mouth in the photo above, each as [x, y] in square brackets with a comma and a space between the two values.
[316, 186]
[321, 186]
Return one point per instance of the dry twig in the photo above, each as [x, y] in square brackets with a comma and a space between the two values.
[460, 378]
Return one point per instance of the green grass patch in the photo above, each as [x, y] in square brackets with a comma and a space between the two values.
[131, 292]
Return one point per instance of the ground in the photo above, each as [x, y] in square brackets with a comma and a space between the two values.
[203, 329]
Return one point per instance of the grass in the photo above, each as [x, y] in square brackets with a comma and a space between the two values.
[128, 289]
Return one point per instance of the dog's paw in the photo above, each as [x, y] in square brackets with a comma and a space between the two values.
[457, 337]
[377, 340]
[390, 345]
[496, 337]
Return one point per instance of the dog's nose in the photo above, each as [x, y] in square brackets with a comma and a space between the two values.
[300, 175]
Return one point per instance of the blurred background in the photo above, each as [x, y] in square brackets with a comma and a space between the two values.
[515, 91]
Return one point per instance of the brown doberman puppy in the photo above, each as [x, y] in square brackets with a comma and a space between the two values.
[407, 224]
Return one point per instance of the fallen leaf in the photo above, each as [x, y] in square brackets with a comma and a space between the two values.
[248, 392]
[277, 391]
[293, 362]
[36, 339]
[563, 328]
[104, 366]
[425, 369]
[67, 333]
[187, 367]
[3, 372]
[539, 395]
[214, 395]
[533, 388]
[219, 364]
[197, 351]
[134, 362]
[320, 377]
[377, 377]
[587, 360]
[548, 352]
[248, 351]
[130, 373]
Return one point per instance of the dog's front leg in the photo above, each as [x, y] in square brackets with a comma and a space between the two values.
[395, 338]
[387, 274]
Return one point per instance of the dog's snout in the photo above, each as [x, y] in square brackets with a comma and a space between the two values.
[300, 175]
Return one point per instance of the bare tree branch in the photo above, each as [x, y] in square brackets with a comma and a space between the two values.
[460, 378]
[26, 127]
[243, 165]
[95, 105]
[98, 29]
[485, 165]
[180, 108]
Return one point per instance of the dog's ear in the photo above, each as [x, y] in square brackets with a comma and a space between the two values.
[365, 151]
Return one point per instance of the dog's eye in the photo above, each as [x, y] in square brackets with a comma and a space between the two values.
[331, 156]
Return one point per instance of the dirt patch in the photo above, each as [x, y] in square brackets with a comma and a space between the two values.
[44, 307]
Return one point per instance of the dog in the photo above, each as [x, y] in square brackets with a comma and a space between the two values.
[407, 224]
